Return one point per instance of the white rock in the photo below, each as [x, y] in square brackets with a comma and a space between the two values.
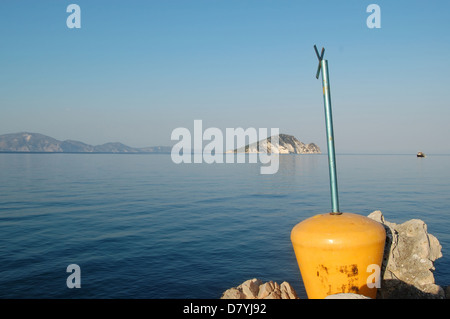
[287, 291]
[232, 293]
[408, 260]
[250, 288]
[256, 289]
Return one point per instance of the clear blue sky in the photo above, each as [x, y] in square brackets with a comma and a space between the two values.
[136, 70]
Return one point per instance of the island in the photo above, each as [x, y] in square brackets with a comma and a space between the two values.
[25, 142]
[287, 144]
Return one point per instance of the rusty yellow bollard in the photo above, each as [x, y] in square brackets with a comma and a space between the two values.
[337, 253]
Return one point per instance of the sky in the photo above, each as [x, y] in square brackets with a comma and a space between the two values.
[137, 70]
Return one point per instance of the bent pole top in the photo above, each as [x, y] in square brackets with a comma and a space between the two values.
[323, 68]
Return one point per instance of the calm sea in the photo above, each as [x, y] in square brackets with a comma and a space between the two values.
[140, 226]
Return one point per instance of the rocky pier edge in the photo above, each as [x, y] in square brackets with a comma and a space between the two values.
[407, 269]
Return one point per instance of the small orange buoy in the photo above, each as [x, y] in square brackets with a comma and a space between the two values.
[338, 253]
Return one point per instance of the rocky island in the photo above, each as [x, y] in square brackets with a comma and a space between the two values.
[287, 144]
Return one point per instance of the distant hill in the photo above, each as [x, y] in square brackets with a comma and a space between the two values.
[287, 144]
[38, 143]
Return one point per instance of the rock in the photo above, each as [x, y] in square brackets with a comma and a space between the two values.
[286, 144]
[256, 289]
[265, 290]
[407, 269]
[250, 288]
[347, 296]
[287, 292]
[233, 293]
[272, 290]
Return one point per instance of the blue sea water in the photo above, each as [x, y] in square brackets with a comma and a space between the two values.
[140, 226]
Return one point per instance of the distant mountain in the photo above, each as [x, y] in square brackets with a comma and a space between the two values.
[35, 142]
[115, 148]
[287, 144]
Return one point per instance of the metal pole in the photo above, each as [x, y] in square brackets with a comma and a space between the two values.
[323, 67]
[330, 137]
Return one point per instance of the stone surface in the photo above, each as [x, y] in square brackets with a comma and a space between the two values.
[287, 291]
[250, 288]
[408, 263]
[256, 289]
[233, 293]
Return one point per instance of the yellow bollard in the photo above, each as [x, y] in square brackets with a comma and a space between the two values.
[338, 253]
